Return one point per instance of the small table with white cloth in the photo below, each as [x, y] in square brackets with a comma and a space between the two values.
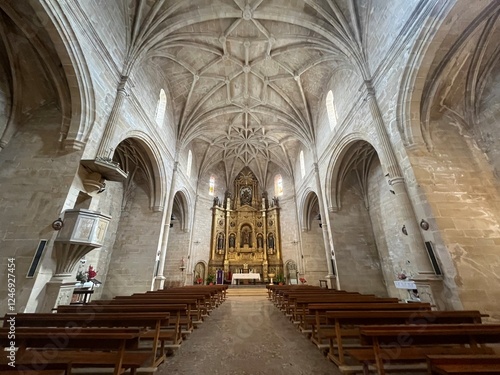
[245, 276]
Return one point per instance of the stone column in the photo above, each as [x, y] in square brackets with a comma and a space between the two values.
[332, 281]
[160, 279]
[419, 263]
[109, 130]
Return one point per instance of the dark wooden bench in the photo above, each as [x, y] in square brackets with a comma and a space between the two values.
[315, 313]
[342, 325]
[464, 364]
[41, 349]
[172, 335]
[152, 323]
[301, 305]
[394, 346]
[186, 319]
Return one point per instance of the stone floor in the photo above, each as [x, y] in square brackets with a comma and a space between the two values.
[247, 335]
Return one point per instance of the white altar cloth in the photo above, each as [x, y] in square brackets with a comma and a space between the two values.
[245, 276]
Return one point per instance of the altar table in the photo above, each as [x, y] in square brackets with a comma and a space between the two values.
[245, 276]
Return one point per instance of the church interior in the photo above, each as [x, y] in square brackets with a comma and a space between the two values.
[348, 144]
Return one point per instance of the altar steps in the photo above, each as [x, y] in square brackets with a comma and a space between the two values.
[246, 291]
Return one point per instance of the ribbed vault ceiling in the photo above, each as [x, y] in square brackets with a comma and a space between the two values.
[247, 77]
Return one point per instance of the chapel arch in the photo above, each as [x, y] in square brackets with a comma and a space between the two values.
[138, 154]
[200, 272]
[313, 245]
[71, 79]
[291, 272]
[139, 193]
[178, 239]
[363, 224]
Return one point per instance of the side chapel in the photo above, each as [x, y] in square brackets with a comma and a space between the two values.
[246, 231]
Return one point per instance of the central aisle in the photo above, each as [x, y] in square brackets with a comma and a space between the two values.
[247, 336]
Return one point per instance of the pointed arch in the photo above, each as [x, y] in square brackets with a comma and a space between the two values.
[181, 209]
[154, 165]
[333, 173]
[308, 209]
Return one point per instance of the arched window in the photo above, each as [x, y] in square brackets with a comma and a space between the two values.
[330, 110]
[161, 106]
[211, 189]
[190, 160]
[302, 164]
[278, 185]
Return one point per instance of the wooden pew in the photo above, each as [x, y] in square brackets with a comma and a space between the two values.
[214, 298]
[186, 319]
[200, 309]
[301, 304]
[315, 314]
[464, 364]
[64, 349]
[172, 335]
[289, 301]
[346, 324]
[397, 345]
[151, 323]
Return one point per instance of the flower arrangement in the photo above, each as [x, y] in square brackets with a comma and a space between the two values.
[86, 276]
[199, 280]
[91, 273]
[302, 280]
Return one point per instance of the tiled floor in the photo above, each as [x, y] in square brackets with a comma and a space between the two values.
[247, 336]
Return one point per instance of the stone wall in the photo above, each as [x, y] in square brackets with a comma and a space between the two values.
[34, 185]
[132, 261]
[358, 260]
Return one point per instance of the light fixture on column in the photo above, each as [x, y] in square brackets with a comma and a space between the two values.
[424, 225]
[182, 266]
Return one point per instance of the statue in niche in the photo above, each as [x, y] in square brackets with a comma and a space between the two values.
[220, 242]
[259, 241]
[244, 238]
[246, 195]
[270, 243]
[231, 240]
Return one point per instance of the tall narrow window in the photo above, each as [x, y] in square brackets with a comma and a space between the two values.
[330, 110]
[302, 164]
[211, 189]
[190, 160]
[278, 185]
[161, 106]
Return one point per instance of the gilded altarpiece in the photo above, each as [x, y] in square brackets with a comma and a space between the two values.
[246, 231]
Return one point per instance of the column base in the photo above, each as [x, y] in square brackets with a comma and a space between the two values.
[57, 292]
[430, 289]
[158, 283]
[332, 281]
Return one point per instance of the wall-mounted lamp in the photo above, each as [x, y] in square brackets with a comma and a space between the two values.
[424, 225]
[57, 224]
[403, 229]
[182, 266]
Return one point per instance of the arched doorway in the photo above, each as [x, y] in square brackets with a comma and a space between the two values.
[291, 272]
[176, 261]
[313, 245]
